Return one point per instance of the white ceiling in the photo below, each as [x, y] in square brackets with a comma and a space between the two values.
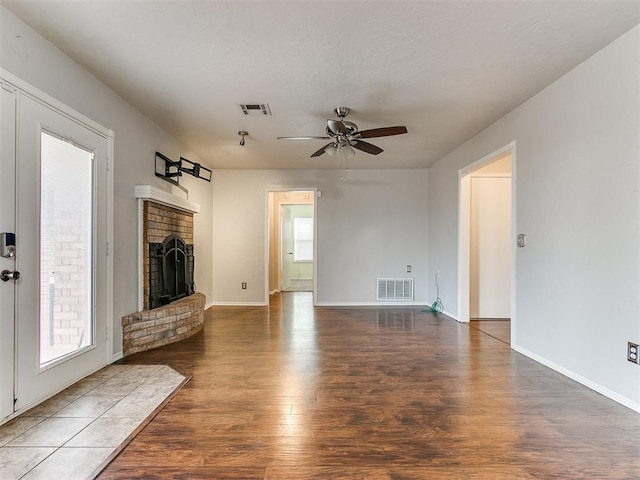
[445, 69]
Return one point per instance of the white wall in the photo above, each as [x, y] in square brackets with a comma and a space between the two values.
[371, 224]
[577, 193]
[27, 55]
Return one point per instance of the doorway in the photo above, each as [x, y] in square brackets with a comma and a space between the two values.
[296, 251]
[486, 248]
[55, 288]
[292, 241]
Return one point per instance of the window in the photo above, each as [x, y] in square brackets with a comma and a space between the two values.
[302, 239]
[66, 248]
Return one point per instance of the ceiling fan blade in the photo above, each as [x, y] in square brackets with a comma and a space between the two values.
[336, 126]
[366, 147]
[381, 132]
[303, 138]
[321, 151]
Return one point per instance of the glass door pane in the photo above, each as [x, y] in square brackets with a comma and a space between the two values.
[66, 249]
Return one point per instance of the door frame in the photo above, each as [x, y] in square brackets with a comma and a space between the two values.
[24, 88]
[269, 226]
[464, 232]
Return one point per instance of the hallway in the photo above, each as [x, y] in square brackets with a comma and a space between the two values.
[291, 391]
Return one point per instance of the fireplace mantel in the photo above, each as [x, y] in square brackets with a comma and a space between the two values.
[148, 192]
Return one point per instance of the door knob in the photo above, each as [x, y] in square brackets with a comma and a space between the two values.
[7, 275]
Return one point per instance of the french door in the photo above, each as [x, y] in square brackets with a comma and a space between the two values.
[7, 224]
[55, 288]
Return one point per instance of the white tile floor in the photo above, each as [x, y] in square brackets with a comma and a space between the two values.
[74, 434]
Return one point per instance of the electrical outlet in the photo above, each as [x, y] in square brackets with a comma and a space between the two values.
[244, 285]
[408, 268]
[633, 355]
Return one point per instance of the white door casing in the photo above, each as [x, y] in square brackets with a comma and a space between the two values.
[464, 226]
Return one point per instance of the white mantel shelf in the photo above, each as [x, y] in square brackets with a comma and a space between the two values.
[148, 192]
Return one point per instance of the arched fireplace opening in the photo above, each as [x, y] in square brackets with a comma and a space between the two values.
[171, 266]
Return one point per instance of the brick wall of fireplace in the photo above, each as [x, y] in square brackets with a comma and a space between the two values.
[160, 221]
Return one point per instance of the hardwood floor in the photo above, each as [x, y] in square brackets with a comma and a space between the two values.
[293, 392]
[500, 329]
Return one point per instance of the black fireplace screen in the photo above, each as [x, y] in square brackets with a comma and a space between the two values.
[171, 266]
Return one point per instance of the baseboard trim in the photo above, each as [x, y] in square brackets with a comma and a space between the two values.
[451, 315]
[240, 304]
[369, 304]
[602, 390]
[209, 305]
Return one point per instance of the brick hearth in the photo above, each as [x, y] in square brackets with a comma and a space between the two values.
[163, 325]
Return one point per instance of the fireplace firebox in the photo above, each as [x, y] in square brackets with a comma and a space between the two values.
[171, 266]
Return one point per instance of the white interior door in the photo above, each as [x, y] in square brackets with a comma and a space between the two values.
[286, 247]
[61, 224]
[490, 255]
[7, 224]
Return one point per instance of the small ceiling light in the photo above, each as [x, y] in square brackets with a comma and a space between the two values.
[242, 134]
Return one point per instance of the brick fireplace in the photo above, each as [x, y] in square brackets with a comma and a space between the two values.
[165, 225]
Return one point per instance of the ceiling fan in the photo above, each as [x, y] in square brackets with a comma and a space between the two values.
[345, 136]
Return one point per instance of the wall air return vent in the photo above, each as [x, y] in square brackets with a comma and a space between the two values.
[395, 289]
[255, 109]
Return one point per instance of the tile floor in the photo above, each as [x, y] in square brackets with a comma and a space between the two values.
[74, 434]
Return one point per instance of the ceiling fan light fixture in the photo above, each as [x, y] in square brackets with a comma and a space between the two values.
[346, 149]
[331, 149]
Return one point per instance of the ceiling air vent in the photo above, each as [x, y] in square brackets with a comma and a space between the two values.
[259, 109]
[395, 289]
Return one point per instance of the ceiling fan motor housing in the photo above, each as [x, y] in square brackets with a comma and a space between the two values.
[341, 111]
[350, 129]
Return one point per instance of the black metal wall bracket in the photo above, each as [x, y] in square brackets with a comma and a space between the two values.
[171, 171]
